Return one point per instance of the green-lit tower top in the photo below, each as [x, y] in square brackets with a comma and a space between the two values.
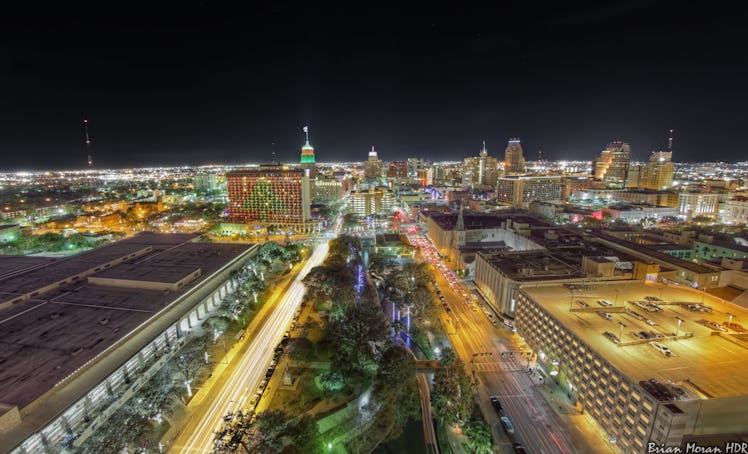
[307, 151]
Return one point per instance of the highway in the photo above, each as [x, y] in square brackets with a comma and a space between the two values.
[538, 427]
[249, 369]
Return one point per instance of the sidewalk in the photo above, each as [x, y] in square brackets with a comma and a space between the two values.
[593, 437]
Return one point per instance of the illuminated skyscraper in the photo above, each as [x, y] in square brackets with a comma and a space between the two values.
[658, 173]
[270, 194]
[514, 159]
[373, 166]
[397, 169]
[480, 171]
[612, 165]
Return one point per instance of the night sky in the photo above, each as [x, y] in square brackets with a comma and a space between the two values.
[202, 82]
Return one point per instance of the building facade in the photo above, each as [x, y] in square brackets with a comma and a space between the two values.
[481, 171]
[206, 182]
[514, 158]
[519, 191]
[373, 166]
[397, 169]
[658, 172]
[693, 204]
[327, 189]
[612, 166]
[372, 201]
[636, 393]
[735, 211]
[270, 194]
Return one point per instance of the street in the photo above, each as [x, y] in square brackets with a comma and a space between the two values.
[246, 372]
[537, 426]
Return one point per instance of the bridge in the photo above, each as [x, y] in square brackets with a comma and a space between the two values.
[427, 366]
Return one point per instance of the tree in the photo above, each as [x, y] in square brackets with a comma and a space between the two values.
[304, 436]
[396, 389]
[156, 396]
[353, 339]
[303, 351]
[332, 281]
[377, 263]
[452, 396]
[264, 434]
[479, 434]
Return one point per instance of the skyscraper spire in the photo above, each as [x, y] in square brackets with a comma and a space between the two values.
[460, 225]
[670, 141]
[483, 151]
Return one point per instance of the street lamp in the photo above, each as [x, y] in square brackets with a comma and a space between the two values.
[620, 332]
[677, 329]
[729, 320]
[616, 301]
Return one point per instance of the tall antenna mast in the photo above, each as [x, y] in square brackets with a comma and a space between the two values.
[88, 144]
[90, 159]
[670, 141]
[272, 147]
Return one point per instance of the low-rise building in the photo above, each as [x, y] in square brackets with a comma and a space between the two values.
[735, 211]
[696, 204]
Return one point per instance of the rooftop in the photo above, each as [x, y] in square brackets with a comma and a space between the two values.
[708, 360]
[656, 255]
[44, 340]
[447, 221]
[526, 266]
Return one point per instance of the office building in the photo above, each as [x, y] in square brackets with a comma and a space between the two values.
[206, 182]
[697, 204]
[514, 158]
[520, 191]
[481, 171]
[612, 166]
[643, 371]
[658, 172]
[373, 167]
[372, 201]
[327, 189]
[397, 169]
[735, 211]
[270, 195]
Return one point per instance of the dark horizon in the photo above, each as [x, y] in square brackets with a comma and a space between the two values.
[202, 83]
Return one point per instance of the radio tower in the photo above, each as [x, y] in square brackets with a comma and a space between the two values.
[670, 141]
[90, 159]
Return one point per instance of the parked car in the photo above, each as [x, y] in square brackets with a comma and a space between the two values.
[496, 405]
[506, 424]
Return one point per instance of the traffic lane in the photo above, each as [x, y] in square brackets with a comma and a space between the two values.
[535, 426]
[475, 334]
[249, 371]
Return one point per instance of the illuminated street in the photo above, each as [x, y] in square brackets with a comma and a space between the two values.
[247, 371]
[536, 424]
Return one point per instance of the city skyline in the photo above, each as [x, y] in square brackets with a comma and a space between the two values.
[205, 84]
